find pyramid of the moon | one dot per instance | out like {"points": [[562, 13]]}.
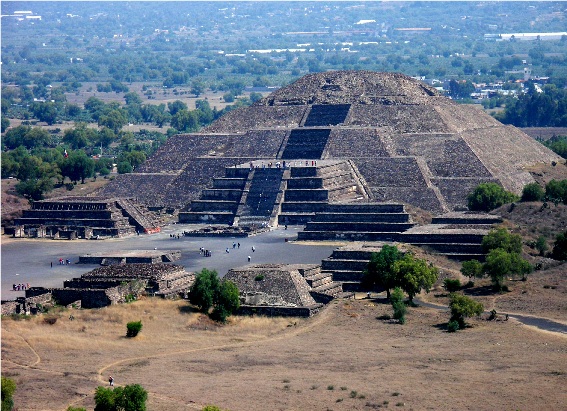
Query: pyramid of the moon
{"points": [[405, 142]]}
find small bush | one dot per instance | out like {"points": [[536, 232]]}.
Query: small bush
{"points": [[259, 277], [211, 408], [133, 328], [453, 326], [353, 394], [50, 320], [330, 387], [533, 192], [452, 285]]}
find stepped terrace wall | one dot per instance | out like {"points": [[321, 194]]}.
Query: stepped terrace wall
{"points": [[355, 143], [445, 154], [519, 151], [146, 188], [402, 119], [258, 116], [177, 150], [196, 177]]}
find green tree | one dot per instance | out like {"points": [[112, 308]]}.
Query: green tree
{"points": [[27, 136], [5, 123], [197, 88], [79, 136], [463, 307], [133, 328], [472, 269], [130, 398], [114, 119], [556, 191], [397, 301], [380, 269], [204, 288], [488, 196], [77, 166], [501, 238], [560, 247], [498, 265], [541, 245], [124, 167], [176, 106], [45, 111], [185, 120], [8, 389], [226, 301], [414, 275], [34, 189], [532, 192]]}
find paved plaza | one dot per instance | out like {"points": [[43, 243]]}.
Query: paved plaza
{"points": [[29, 261]]}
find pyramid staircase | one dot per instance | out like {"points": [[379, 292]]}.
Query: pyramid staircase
{"points": [[261, 198], [142, 221], [323, 288], [218, 204], [311, 188]]}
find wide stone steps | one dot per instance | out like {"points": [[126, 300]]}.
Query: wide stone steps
{"points": [[332, 264], [347, 275], [229, 183], [347, 236], [333, 289], [214, 205], [363, 217], [319, 279], [358, 226]]}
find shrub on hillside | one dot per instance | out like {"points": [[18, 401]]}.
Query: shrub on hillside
{"points": [[452, 284], [533, 192], [488, 196], [130, 398], [463, 307], [400, 309], [133, 328], [560, 247], [8, 389]]}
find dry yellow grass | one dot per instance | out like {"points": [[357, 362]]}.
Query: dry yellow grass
{"points": [[185, 361]]}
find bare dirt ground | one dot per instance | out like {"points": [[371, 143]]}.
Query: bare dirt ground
{"points": [[346, 358]]}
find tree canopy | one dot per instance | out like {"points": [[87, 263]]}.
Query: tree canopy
{"points": [[488, 196]]}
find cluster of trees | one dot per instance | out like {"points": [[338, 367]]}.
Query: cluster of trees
{"points": [[557, 144], [537, 109], [391, 268], [503, 259], [209, 292], [128, 398], [555, 191]]}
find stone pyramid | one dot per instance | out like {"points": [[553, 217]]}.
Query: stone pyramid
{"points": [[408, 143]]}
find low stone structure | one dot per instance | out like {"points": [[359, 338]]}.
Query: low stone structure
{"points": [[283, 289], [109, 285], [85, 217], [131, 257]]}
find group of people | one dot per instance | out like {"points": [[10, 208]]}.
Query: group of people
{"points": [[178, 236], [64, 262], [282, 165], [20, 287], [207, 253]]}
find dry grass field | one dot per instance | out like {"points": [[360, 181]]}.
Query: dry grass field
{"points": [[348, 357]]}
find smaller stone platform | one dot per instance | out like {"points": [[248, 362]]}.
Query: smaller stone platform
{"points": [[131, 257]]}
